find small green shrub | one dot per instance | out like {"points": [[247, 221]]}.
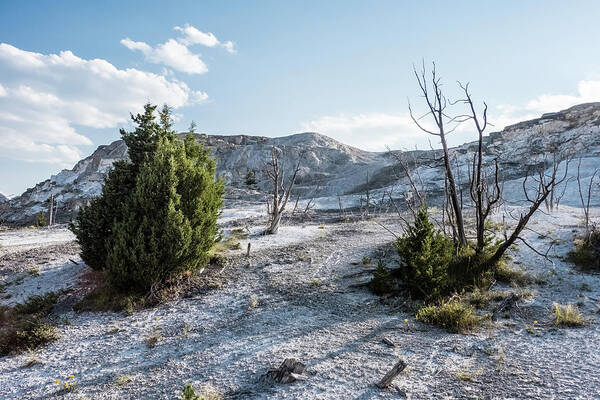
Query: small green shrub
{"points": [[587, 250], [427, 254], [188, 393], [382, 282], [366, 260], [250, 178], [452, 315], [25, 326], [567, 315], [207, 393], [41, 219]]}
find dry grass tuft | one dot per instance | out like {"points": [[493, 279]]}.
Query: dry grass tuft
{"points": [[567, 315], [453, 315]]}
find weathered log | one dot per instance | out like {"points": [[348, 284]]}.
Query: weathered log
{"points": [[393, 373], [388, 342], [289, 371]]}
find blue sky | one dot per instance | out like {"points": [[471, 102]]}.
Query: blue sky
{"points": [[71, 71]]}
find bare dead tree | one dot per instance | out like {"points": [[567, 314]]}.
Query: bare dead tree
{"points": [[585, 195], [437, 103], [484, 181], [311, 200], [485, 194], [340, 205], [416, 193], [275, 171], [536, 200], [367, 196]]}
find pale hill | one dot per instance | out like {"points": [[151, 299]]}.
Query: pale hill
{"points": [[330, 168]]}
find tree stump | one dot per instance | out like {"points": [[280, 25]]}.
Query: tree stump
{"points": [[389, 377], [289, 371]]}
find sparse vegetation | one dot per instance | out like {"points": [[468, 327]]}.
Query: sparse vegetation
{"points": [[32, 360], [567, 315], [123, 380], [453, 315], [366, 260], [481, 298], [153, 338], [465, 376], [26, 326], [206, 393], [253, 302], [68, 385], [107, 298], [586, 254], [231, 242], [505, 273]]}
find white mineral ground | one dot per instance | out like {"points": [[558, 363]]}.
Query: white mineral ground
{"points": [[308, 308]]}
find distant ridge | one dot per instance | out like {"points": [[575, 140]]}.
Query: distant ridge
{"points": [[329, 167]]}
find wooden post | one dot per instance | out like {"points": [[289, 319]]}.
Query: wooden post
{"points": [[248, 252], [368, 194], [51, 208], [389, 377]]}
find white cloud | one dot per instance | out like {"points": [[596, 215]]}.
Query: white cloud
{"points": [[192, 36], [45, 97], [229, 46], [141, 46], [587, 92], [369, 131], [171, 53], [175, 53], [377, 131]]}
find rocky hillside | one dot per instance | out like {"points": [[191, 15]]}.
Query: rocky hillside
{"points": [[330, 168]]}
